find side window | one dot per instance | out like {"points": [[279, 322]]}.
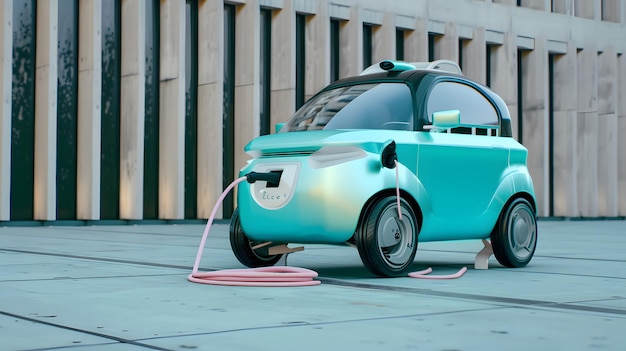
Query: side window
{"points": [[474, 107]]}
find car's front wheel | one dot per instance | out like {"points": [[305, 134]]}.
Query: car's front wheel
{"points": [[242, 247], [386, 244], [515, 238]]}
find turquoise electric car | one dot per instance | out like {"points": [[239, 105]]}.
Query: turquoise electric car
{"points": [[333, 172]]}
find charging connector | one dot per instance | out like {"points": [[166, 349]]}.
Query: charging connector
{"points": [[272, 178]]}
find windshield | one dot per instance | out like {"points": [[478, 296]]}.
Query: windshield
{"points": [[365, 106]]}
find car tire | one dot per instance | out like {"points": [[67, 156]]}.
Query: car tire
{"points": [[515, 238], [386, 245], [242, 246]]}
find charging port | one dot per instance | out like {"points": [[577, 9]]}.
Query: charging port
{"points": [[275, 182]]}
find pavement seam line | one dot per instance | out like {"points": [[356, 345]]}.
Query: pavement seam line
{"points": [[83, 331], [339, 282], [317, 324], [474, 297]]}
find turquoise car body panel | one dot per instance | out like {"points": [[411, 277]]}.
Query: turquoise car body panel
{"points": [[459, 183]]}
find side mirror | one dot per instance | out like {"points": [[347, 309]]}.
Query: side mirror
{"points": [[278, 127], [447, 119], [388, 156]]}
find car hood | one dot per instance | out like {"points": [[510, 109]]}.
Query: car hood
{"points": [[311, 141]]}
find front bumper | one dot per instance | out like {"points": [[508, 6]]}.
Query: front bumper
{"points": [[312, 203]]}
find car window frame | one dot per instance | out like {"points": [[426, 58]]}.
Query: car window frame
{"points": [[422, 104]]}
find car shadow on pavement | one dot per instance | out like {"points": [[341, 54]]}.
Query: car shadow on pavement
{"points": [[354, 272]]}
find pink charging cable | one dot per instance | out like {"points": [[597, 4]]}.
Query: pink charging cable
{"points": [[425, 273], [278, 275], [398, 189], [264, 276]]}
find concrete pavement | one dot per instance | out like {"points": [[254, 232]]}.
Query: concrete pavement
{"points": [[124, 288]]}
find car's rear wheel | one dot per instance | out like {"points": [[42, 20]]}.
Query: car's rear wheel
{"points": [[386, 244], [242, 247], [515, 238]]}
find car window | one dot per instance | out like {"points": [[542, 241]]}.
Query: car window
{"points": [[363, 106], [474, 107]]}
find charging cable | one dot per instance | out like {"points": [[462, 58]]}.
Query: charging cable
{"points": [[425, 273], [275, 275], [263, 276]]}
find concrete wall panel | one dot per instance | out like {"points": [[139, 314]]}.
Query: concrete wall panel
{"points": [[607, 165], [607, 82], [279, 98], [384, 39], [588, 73], [46, 75], [535, 120], [621, 132], [317, 66], [89, 113], [504, 74], [6, 71], [351, 43], [416, 42], [283, 70], [607, 133], [447, 45], [564, 106], [132, 108], [587, 65], [210, 104], [621, 154], [475, 56], [565, 164], [172, 111], [587, 150], [247, 88], [209, 146]]}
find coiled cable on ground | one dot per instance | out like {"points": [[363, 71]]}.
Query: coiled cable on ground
{"points": [[276, 275], [264, 276]]}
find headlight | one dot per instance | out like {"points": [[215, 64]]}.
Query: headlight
{"points": [[334, 155]]}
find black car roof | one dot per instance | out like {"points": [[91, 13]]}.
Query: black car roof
{"points": [[410, 76], [416, 77]]}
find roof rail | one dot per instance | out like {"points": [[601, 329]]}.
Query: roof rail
{"points": [[399, 66]]}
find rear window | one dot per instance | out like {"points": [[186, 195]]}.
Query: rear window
{"points": [[365, 106]]}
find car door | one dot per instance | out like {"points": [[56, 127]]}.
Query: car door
{"points": [[461, 168]]}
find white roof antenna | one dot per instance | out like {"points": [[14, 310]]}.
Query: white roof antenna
{"points": [[439, 65], [396, 66]]}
